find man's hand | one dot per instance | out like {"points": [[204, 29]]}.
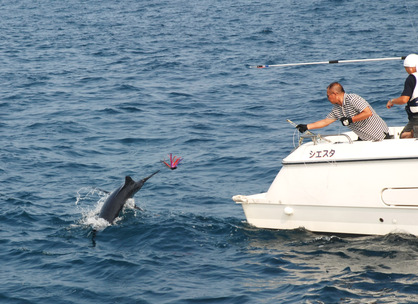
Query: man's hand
{"points": [[346, 121], [302, 128], [389, 104]]}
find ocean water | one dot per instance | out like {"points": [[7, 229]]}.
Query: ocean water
{"points": [[92, 91]]}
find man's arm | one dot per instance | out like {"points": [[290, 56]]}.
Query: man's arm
{"points": [[399, 101], [408, 90], [320, 123], [366, 113]]}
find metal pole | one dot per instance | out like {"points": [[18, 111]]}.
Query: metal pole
{"points": [[327, 62]]}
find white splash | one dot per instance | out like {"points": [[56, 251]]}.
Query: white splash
{"points": [[90, 216]]}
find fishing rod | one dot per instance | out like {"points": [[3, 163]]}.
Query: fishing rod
{"points": [[326, 62]]}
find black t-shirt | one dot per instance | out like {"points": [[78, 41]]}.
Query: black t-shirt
{"points": [[409, 86]]}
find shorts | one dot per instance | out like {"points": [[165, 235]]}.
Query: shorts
{"points": [[413, 122]]}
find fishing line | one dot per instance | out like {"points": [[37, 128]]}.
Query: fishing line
{"points": [[409, 10], [411, 20], [313, 136]]}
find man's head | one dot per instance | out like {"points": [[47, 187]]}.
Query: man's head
{"points": [[410, 63], [335, 93]]}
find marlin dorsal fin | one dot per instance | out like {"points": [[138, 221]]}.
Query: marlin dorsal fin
{"points": [[128, 180]]}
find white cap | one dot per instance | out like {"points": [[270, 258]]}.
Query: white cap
{"points": [[411, 61]]}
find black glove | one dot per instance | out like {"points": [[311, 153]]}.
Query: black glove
{"points": [[346, 121], [302, 128]]}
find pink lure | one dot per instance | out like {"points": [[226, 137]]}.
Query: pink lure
{"points": [[174, 161]]}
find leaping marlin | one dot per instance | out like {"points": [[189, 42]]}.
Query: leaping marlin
{"points": [[117, 199]]}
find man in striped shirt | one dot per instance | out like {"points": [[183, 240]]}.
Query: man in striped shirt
{"points": [[354, 112]]}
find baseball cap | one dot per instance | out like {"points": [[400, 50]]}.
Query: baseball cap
{"points": [[411, 61]]}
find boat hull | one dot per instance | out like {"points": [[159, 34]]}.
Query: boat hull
{"points": [[333, 219], [362, 188]]}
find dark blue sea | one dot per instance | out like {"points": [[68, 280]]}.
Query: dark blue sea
{"points": [[92, 91]]}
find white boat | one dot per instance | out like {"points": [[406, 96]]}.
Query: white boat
{"points": [[337, 184]]}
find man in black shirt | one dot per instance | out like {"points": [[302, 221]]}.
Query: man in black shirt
{"points": [[409, 96]]}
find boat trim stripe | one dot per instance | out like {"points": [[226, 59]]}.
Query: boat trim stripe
{"points": [[285, 163]]}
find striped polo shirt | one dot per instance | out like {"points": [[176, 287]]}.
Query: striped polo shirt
{"points": [[372, 128]]}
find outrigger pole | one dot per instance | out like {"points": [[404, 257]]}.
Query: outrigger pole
{"points": [[326, 62]]}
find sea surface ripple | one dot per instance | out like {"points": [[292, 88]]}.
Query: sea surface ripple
{"points": [[92, 91]]}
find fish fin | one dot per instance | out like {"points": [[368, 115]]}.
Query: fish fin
{"points": [[128, 180], [138, 208]]}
